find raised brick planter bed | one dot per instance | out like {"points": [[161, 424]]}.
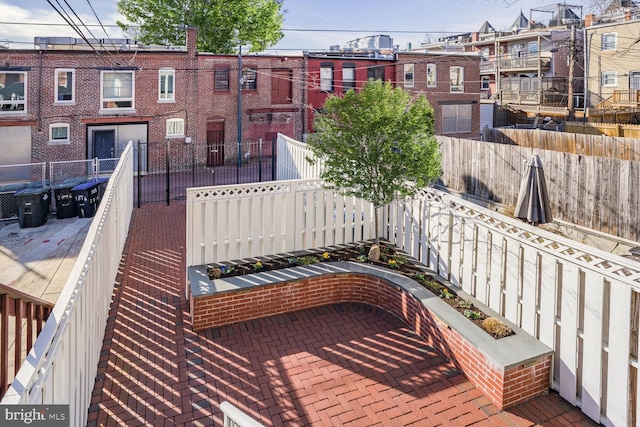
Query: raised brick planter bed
{"points": [[509, 371]]}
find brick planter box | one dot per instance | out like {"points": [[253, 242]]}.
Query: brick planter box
{"points": [[509, 371]]}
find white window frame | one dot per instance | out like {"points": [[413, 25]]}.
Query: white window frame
{"points": [[104, 100], [467, 122], [348, 76], [435, 75], [409, 75], [71, 101], [166, 93], [326, 79], [456, 87], [175, 128], [605, 45], [606, 75], [14, 102], [53, 140], [483, 80]]}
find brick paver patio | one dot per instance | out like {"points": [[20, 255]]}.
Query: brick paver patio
{"points": [[337, 365]]}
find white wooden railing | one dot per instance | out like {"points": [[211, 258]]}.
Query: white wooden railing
{"points": [[234, 417], [292, 160], [62, 366], [578, 300]]}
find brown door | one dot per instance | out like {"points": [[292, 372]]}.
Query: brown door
{"points": [[215, 142]]}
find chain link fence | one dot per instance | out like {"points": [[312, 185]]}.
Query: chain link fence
{"points": [[14, 178]]}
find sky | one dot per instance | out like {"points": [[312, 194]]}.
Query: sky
{"points": [[308, 24]]}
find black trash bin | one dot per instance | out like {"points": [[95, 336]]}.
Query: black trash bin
{"points": [[33, 206], [87, 196], [66, 206]]}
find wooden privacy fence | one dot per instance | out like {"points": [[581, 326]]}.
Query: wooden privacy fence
{"points": [[595, 192], [578, 300], [624, 130], [574, 143], [226, 223]]}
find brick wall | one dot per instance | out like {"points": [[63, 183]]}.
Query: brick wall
{"points": [[504, 387], [441, 94]]}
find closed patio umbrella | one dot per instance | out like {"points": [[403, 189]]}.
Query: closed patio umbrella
{"points": [[533, 200]]}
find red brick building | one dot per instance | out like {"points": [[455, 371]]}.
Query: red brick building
{"points": [[451, 83], [336, 72], [65, 101]]}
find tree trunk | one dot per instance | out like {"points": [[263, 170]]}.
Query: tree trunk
{"points": [[376, 230]]}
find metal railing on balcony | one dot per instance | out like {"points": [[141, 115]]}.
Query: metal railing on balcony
{"points": [[525, 63]]}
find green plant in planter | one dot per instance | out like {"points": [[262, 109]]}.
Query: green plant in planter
{"points": [[361, 258], [257, 266], [446, 294], [466, 304], [308, 260], [227, 269], [473, 315]]}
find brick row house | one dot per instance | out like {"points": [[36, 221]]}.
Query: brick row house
{"points": [[64, 100]]}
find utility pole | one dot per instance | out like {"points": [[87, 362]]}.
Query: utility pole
{"points": [[572, 61]]}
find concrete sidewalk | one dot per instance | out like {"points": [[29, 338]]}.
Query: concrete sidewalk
{"points": [[38, 260]]}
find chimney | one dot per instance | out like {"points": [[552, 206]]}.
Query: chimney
{"points": [[192, 38], [589, 19], [627, 15]]}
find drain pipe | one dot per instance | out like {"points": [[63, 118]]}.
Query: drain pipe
{"points": [[39, 117]]}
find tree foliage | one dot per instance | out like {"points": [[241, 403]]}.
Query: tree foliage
{"points": [[376, 144], [221, 24]]}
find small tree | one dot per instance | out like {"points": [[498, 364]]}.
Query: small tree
{"points": [[376, 144]]}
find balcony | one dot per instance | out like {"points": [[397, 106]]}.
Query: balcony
{"points": [[626, 98], [487, 67], [525, 64]]}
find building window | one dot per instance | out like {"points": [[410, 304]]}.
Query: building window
{"points": [[609, 41], [281, 86], [533, 48], [408, 75], [485, 83], [117, 90], [12, 92], [166, 85], [326, 77], [375, 73], [249, 79], [348, 77], [634, 80], [59, 133], [484, 54], [456, 118], [221, 80], [175, 128], [65, 86], [456, 76], [609, 78], [431, 75]]}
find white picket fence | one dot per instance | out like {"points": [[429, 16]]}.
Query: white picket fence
{"points": [[292, 160], [227, 223], [63, 363]]}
